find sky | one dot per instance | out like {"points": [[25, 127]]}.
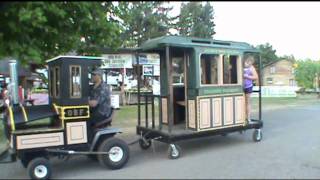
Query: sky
{"points": [[292, 28]]}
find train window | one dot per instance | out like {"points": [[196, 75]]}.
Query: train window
{"points": [[178, 70], [51, 76], [230, 70], [57, 81], [209, 68], [75, 81]]}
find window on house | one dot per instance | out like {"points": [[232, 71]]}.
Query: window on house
{"points": [[291, 82], [230, 72], [273, 70], [269, 80], [209, 68], [75, 81]]}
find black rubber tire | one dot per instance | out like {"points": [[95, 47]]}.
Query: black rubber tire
{"points": [[36, 162], [171, 155], [144, 145], [106, 145], [255, 135]]}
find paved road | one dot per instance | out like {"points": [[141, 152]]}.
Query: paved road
{"points": [[290, 149]]}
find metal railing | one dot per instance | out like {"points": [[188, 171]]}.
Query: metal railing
{"points": [[150, 99]]}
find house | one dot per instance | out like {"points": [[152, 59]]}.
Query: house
{"points": [[279, 73]]}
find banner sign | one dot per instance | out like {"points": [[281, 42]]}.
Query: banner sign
{"points": [[117, 61], [147, 70], [148, 59]]}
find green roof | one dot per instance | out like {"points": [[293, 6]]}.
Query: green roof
{"points": [[180, 41]]}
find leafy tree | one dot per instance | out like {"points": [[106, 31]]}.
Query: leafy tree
{"points": [[142, 21], [306, 73], [268, 54], [196, 20], [36, 31]]}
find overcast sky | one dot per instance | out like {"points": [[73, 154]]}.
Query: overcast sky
{"points": [[290, 27]]}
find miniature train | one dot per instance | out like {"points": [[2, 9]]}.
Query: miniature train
{"points": [[68, 130]]}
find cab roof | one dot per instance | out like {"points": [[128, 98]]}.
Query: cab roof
{"points": [[75, 57], [191, 42]]}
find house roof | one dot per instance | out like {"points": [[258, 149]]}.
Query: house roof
{"points": [[181, 41], [274, 62]]}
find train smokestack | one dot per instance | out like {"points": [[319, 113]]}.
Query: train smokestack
{"points": [[14, 81]]}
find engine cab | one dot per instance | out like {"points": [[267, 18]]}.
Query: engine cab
{"points": [[67, 111], [69, 84]]}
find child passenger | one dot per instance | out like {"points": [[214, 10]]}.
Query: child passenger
{"points": [[250, 74]]}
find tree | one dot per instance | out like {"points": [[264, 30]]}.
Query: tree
{"points": [[36, 31], [196, 20], [142, 21], [288, 57], [268, 54], [307, 72]]}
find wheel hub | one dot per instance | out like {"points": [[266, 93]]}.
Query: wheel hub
{"points": [[175, 152], [40, 171], [258, 134], [116, 154]]}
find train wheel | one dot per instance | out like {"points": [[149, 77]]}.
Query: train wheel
{"points": [[144, 144], [257, 135], [39, 168], [118, 153], [174, 151]]}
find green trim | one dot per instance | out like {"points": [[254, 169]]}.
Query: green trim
{"points": [[219, 90]]}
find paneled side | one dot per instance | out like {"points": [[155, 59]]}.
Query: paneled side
{"points": [[228, 111], [205, 113], [216, 112], [191, 113]]}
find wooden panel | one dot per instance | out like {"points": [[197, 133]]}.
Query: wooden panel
{"points": [[239, 109], [228, 111], [39, 140], [164, 110], [76, 132], [216, 112], [205, 113], [192, 115]]}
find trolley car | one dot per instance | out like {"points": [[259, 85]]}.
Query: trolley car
{"points": [[209, 101], [68, 131]]}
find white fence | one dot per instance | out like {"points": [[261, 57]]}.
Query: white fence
{"points": [[276, 91]]}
